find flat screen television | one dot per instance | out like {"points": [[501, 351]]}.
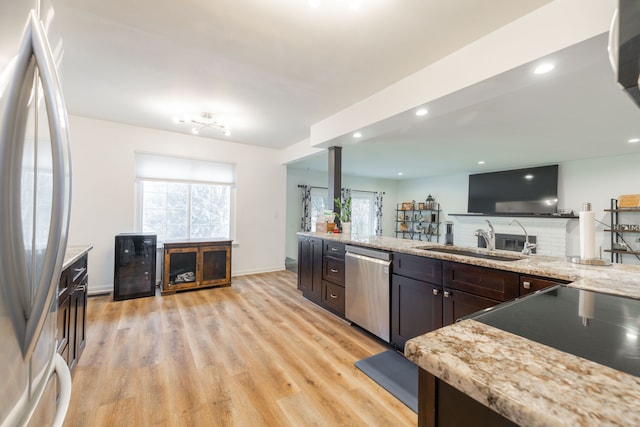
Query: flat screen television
{"points": [[528, 191]]}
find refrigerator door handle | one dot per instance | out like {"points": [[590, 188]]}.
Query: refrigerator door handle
{"points": [[64, 398], [28, 315]]}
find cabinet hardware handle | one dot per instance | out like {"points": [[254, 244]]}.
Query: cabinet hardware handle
{"points": [[334, 249], [333, 296], [333, 270], [446, 294], [435, 291], [526, 285]]}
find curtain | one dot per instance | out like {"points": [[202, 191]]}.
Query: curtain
{"points": [[378, 207], [305, 222]]}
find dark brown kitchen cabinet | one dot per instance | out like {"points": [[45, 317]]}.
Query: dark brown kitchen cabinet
{"points": [[416, 297], [72, 314], [310, 267], [333, 277], [457, 304], [416, 308]]}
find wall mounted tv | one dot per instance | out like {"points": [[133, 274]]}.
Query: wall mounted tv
{"points": [[529, 191]]}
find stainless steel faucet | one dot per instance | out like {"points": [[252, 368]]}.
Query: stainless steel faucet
{"points": [[526, 250], [488, 236]]}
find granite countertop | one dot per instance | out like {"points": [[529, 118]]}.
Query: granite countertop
{"points": [[73, 253], [617, 279], [529, 383]]}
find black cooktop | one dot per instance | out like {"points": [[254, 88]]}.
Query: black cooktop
{"points": [[599, 327]]}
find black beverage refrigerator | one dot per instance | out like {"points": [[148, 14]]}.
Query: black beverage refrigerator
{"points": [[135, 266]]}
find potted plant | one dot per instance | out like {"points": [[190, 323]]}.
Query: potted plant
{"points": [[345, 214]]}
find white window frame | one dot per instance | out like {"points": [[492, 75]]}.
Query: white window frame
{"points": [[138, 202], [366, 195]]}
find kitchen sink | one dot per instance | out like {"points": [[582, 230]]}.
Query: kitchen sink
{"points": [[472, 253]]}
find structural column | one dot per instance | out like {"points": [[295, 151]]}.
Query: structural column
{"points": [[335, 175]]}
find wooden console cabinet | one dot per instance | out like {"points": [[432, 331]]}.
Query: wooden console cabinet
{"points": [[195, 264]]}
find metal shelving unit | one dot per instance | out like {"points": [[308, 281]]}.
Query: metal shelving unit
{"points": [[418, 224], [617, 230]]}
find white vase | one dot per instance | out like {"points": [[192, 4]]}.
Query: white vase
{"points": [[346, 228]]}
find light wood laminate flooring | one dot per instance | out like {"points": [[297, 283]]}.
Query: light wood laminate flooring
{"points": [[253, 354]]}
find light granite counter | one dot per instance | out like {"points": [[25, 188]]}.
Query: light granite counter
{"points": [[73, 253], [617, 279], [529, 383]]}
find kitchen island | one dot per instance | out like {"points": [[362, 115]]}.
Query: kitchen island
{"points": [[524, 382]]}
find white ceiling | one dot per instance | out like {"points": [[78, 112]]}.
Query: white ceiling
{"points": [[271, 68], [516, 119]]}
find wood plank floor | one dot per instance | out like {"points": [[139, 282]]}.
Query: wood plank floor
{"points": [[253, 354]]}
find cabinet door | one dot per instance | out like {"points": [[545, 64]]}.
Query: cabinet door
{"points": [[180, 268], [80, 305], [310, 267], [215, 265], [416, 308], [457, 304], [63, 327]]}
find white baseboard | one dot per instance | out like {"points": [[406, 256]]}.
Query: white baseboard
{"points": [[257, 271], [107, 289]]}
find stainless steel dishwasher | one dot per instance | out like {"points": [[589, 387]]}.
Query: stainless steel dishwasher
{"points": [[367, 289]]}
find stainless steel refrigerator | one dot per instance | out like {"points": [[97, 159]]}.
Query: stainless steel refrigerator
{"points": [[35, 194]]}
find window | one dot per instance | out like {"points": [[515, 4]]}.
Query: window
{"points": [[363, 213], [319, 203], [179, 199]]}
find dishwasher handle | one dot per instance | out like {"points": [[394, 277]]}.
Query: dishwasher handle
{"points": [[352, 260], [369, 253]]}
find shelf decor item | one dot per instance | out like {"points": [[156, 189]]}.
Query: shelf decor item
{"points": [[407, 206], [345, 214], [629, 201], [429, 203]]}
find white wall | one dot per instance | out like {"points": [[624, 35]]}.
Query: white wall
{"points": [[103, 160], [297, 176], [590, 180]]}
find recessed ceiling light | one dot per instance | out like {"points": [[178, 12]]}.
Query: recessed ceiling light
{"points": [[421, 112], [357, 135], [544, 68], [633, 140], [400, 174], [481, 162]]}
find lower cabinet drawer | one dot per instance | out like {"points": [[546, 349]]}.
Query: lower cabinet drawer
{"points": [[530, 284], [333, 297], [333, 270]]}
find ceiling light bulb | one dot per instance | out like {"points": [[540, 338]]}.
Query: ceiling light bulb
{"points": [[422, 112], [633, 140], [400, 174], [195, 131], [481, 162], [357, 135], [528, 177], [544, 68]]}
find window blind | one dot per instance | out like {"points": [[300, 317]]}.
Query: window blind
{"points": [[156, 166]]}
